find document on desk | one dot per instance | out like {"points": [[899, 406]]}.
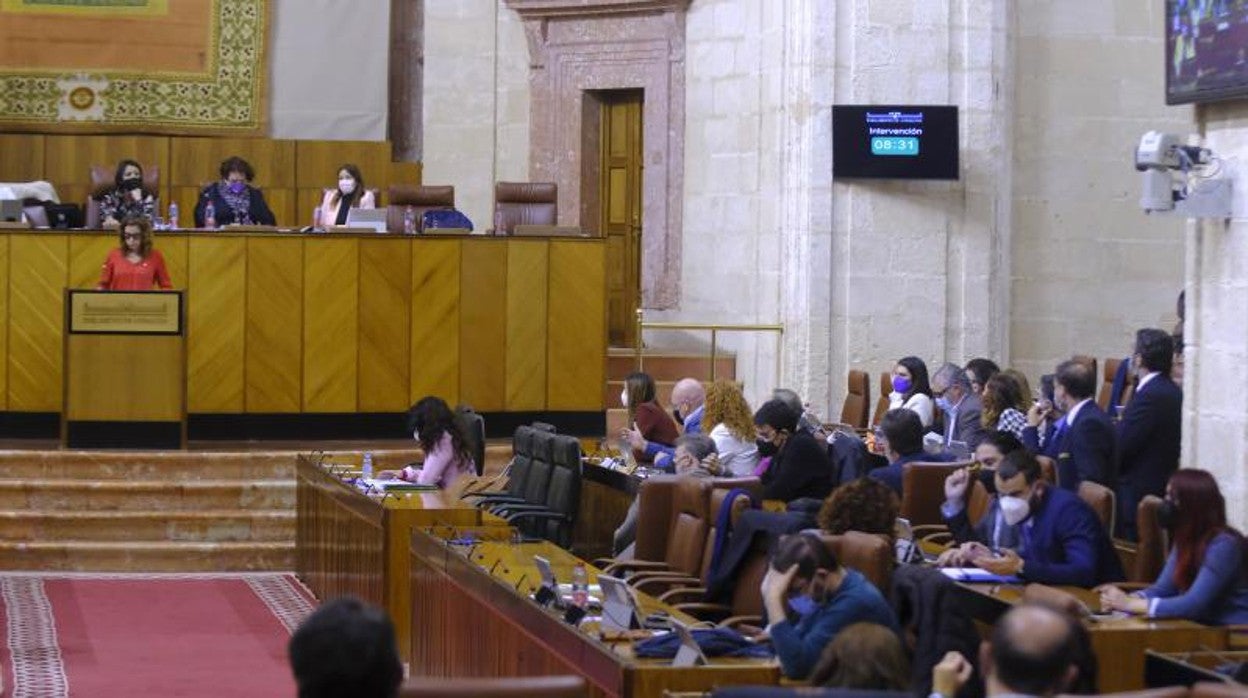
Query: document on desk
{"points": [[975, 574], [394, 485]]}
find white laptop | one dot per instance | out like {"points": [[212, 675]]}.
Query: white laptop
{"points": [[374, 218]]}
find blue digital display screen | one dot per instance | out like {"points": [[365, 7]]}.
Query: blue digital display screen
{"points": [[895, 142]]}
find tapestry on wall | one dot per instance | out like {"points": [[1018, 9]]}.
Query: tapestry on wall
{"points": [[153, 66]]}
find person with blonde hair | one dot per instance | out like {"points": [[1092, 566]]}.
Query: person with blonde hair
{"points": [[1004, 405], [733, 432]]}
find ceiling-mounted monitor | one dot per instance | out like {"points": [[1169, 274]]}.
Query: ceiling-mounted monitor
{"points": [[894, 142], [1206, 50]]}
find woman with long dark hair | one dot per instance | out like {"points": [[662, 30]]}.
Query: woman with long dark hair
{"points": [[1204, 578], [649, 423], [350, 193], [445, 441], [911, 389]]}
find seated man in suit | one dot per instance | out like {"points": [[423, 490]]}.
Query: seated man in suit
{"points": [[799, 463], [991, 533], [1082, 442], [902, 442], [1060, 538], [1150, 432], [952, 390]]}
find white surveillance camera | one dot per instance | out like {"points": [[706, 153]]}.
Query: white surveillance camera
{"points": [[1176, 178], [1157, 151]]}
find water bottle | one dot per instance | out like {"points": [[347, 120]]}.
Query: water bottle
{"points": [[210, 216], [173, 215], [409, 221], [367, 467], [498, 222], [316, 218], [580, 585]]}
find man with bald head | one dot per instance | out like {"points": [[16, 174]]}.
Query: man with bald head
{"points": [[1034, 651], [688, 402]]}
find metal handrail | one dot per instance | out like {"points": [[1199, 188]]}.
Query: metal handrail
{"points": [[713, 328]]}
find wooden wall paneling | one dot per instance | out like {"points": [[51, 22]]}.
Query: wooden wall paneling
{"points": [[527, 271], [216, 323], [318, 162], [282, 203], [21, 157], [385, 313], [331, 289], [306, 199], [407, 173], [577, 335], [483, 325], [175, 248], [274, 332], [435, 303], [38, 271], [86, 257], [68, 160]]}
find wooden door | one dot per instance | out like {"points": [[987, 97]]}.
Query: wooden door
{"points": [[621, 201]]}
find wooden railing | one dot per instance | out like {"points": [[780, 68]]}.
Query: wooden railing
{"points": [[713, 328]]}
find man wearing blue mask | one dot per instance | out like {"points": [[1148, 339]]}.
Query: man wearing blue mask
{"points": [[962, 409], [806, 577]]}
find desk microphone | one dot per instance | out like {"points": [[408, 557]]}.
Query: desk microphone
{"points": [[495, 565], [521, 581]]}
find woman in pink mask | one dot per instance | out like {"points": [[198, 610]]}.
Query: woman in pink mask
{"points": [[232, 199]]}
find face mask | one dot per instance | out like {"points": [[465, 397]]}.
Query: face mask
{"points": [[943, 404], [132, 183], [766, 448], [1168, 515], [803, 605], [624, 398], [346, 186], [237, 187], [902, 384], [1014, 510]]}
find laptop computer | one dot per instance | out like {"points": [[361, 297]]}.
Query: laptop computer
{"points": [[64, 215], [10, 210], [374, 218]]}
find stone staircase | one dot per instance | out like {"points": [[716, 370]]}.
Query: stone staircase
{"points": [[666, 367], [176, 511]]}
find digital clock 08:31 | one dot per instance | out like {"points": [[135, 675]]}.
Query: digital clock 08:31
{"points": [[894, 145]]}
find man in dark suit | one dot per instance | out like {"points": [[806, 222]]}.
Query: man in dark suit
{"points": [[952, 390], [901, 439], [1082, 442], [1150, 433], [1061, 540]]}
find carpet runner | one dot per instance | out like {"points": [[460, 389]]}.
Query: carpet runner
{"points": [[100, 634]]}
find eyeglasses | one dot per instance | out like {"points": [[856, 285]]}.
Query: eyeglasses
{"points": [[132, 236]]}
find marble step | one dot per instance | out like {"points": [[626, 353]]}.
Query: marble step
{"points": [[146, 495], [178, 466], [147, 556], [204, 526]]}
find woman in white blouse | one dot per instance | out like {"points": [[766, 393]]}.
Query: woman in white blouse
{"points": [[733, 430], [911, 389]]}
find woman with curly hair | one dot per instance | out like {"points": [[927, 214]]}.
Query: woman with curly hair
{"points": [[733, 432], [445, 441], [865, 505], [1004, 406]]}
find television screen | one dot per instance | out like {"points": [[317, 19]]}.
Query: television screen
{"points": [[1206, 50], [895, 142]]}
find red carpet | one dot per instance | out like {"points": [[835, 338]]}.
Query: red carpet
{"points": [[110, 635]]}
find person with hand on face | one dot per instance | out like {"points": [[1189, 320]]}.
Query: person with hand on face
{"points": [[799, 463], [652, 428], [992, 533], [962, 408], [1060, 538], [135, 265], [807, 583], [1204, 579], [1082, 441], [349, 194], [128, 199], [233, 199], [911, 389]]}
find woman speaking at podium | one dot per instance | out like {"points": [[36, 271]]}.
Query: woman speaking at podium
{"points": [[134, 266]]}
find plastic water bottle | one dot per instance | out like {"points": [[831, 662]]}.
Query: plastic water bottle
{"points": [[409, 221], [498, 222], [210, 215], [367, 467], [316, 218], [173, 215], [580, 585]]}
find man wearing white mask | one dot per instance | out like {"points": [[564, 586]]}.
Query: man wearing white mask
{"points": [[1060, 538]]}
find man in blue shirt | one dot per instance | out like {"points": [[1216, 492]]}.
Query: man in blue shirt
{"points": [[688, 403]]}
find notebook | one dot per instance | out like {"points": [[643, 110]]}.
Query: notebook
{"points": [[374, 218]]}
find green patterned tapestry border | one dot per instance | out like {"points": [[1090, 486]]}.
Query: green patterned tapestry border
{"points": [[224, 96]]}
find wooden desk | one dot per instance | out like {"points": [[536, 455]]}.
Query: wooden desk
{"points": [[1119, 643], [473, 617], [606, 495], [347, 542]]}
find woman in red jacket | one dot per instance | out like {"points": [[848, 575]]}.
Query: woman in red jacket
{"points": [[649, 423], [135, 266]]}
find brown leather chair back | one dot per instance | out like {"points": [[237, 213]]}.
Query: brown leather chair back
{"points": [[977, 502], [654, 513], [720, 487], [923, 491], [881, 403], [509, 687], [1107, 384], [1150, 551], [1048, 469], [103, 181], [1101, 499], [857, 400], [421, 198], [746, 601], [868, 553], [525, 203], [690, 520]]}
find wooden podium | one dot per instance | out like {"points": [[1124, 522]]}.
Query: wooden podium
{"points": [[125, 369]]}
